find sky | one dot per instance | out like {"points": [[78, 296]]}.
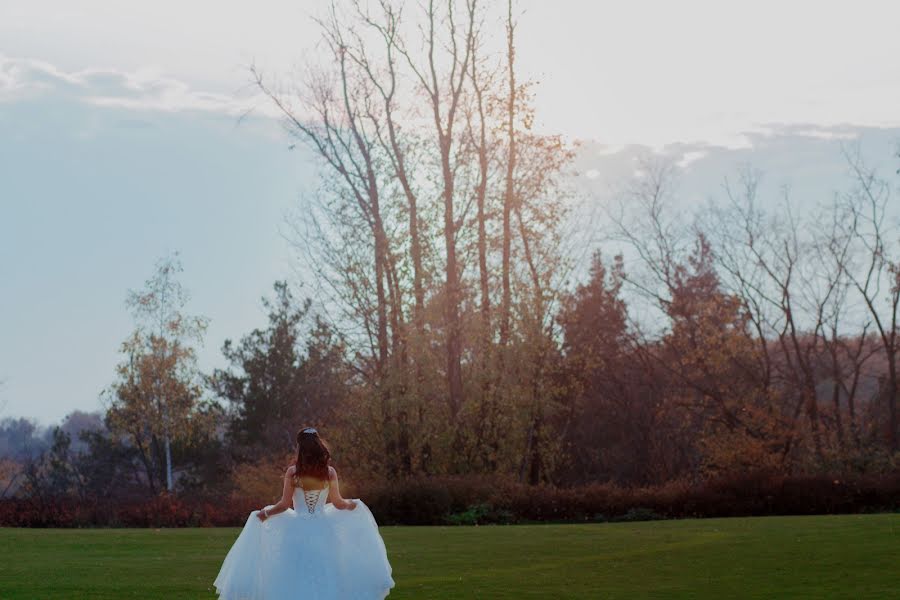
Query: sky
{"points": [[120, 142]]}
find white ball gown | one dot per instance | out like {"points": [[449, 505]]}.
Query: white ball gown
{"points": [[313, 551]]}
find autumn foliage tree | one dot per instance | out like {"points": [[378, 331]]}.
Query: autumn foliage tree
{"points": [[157, 400], [763, 321], [434, 236]]}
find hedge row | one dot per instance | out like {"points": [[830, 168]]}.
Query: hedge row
{"points": [[162, 511], [431, 501]]}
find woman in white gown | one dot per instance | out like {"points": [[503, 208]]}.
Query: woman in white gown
{"points": [[312, 544]]}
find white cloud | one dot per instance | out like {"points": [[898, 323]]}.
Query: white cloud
{"points": [[656, 73], [690, 157], [837, 132], [650, 72], [145, 89]]}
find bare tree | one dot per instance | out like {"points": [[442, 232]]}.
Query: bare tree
{"points": [[873, 269], [411, 122]]}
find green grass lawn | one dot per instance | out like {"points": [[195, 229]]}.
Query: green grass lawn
{"points": [[782, 557]]}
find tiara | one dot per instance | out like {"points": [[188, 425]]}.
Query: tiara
{"points": [[309, 430]]}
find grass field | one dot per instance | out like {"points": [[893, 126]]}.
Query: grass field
{"points": [[783, 557]]}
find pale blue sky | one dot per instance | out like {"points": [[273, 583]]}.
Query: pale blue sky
{"points": [[119, 143], [90, 198]]}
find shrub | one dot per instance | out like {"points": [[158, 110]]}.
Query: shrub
{"points": [[638, 514], [480, 514]]}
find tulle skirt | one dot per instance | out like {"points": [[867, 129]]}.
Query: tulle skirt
{"points": [[331, 555]]}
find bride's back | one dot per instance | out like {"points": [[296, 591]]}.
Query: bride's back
{"points": [[312, 472], [310, 493], [309, 482]]}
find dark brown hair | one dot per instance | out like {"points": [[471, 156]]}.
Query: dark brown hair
{"points": [[313, 456]]}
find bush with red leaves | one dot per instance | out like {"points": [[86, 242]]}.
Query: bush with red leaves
{"points": [[442, 500]]}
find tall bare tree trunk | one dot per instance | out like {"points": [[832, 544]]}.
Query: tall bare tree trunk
{"points": [[451, 309], [485, 428], [508, 195], [444, 123], [168, 446], [480, 197]]}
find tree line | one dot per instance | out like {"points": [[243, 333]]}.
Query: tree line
{"points": [[450, 330]]}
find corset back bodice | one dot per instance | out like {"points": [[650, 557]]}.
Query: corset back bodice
{"points": [[310, 502]]}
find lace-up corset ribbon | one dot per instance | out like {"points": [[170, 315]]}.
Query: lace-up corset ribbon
{"points": [[308, 503]]}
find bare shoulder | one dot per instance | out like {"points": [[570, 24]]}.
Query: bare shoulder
{"points": [[290, 471], [332, 472]]}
